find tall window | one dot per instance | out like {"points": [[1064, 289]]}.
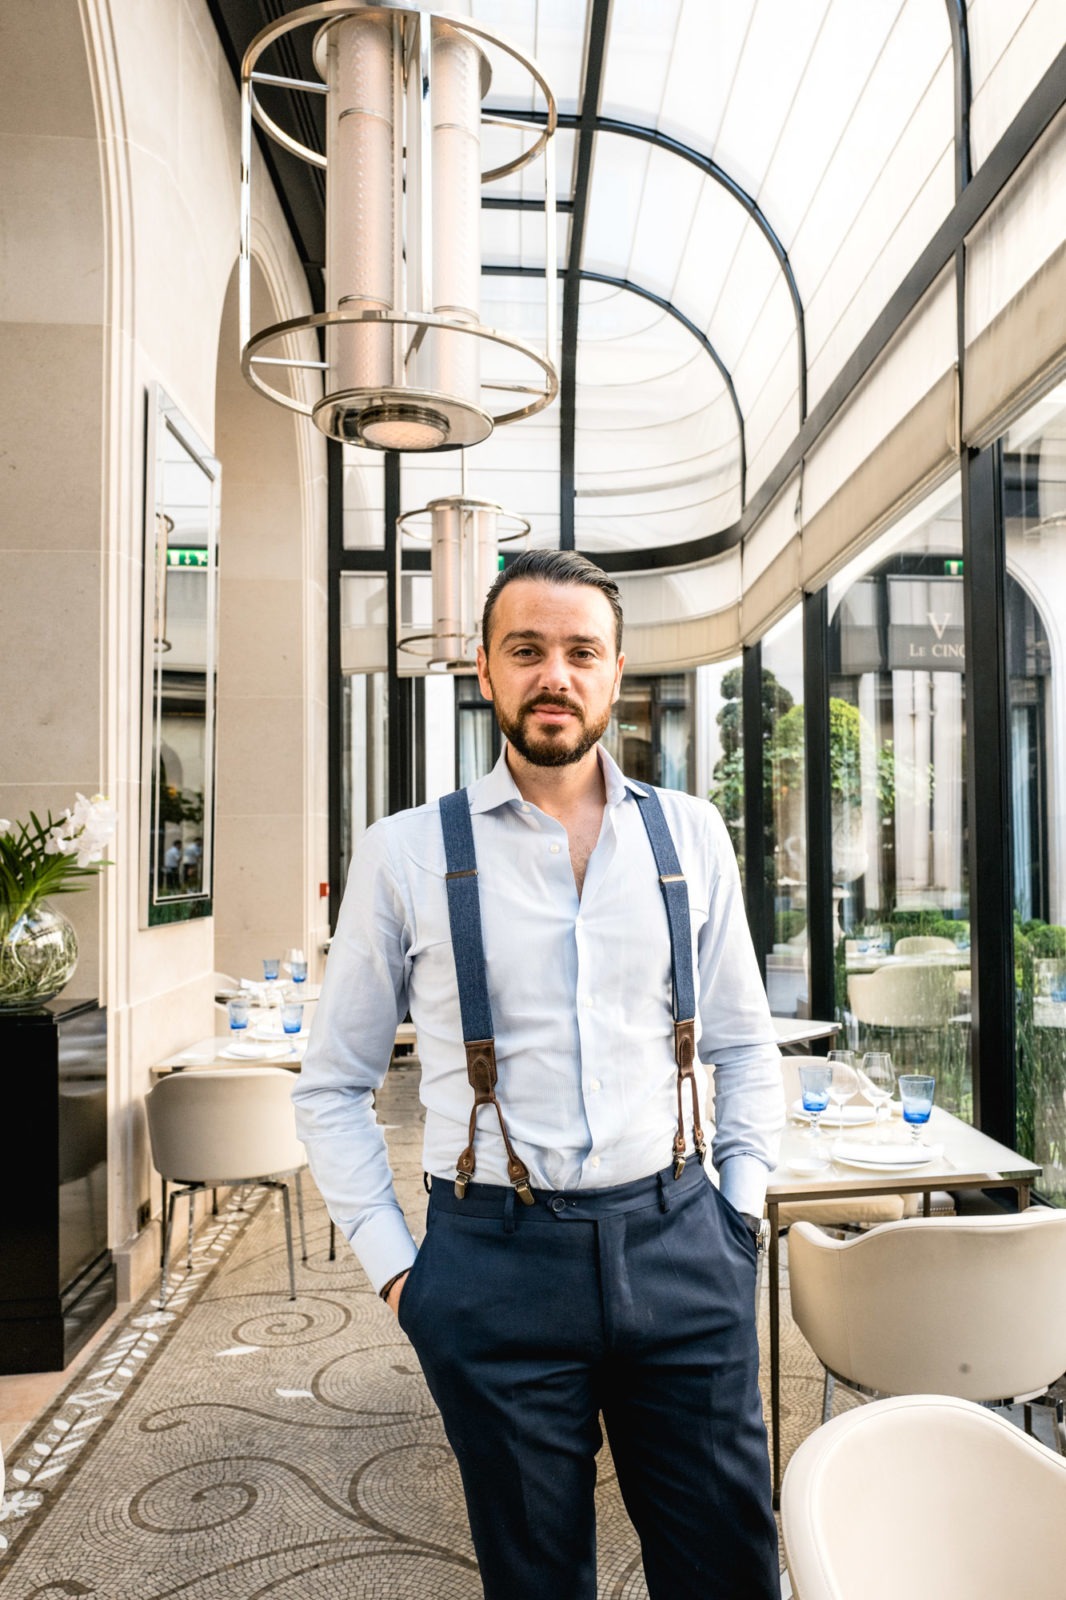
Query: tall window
{"points": [[720, 746], [477, 738], [785, 845], [365, 760], [651, 733], [1034, 511], [898, 796]]}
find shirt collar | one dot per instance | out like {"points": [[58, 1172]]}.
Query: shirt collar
{"points": [[498, 788]]}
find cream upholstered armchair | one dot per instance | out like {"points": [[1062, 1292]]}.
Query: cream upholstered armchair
{"points": [[223, 1127], [912, 995], [969, 1306], [923, 944], [926, 1496]]}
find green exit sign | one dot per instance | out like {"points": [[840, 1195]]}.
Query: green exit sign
{"points": [[953, 569], [189, 557]]}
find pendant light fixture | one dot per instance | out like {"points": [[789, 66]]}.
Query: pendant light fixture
{"points": [[464, 541], [403, 335]]}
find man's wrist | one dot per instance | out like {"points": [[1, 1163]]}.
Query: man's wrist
{"points": [[387, 1288]]}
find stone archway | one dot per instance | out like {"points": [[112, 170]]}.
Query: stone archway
{"points": [[271, 803]]}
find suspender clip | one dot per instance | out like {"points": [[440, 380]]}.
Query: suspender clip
{"points": [[461, 1181], [701, 1146], [524, 1192]]}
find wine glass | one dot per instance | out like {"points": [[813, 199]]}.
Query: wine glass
{"points": [[843, 1079], [916, 1094], [814, 1086], [879, 1081]]}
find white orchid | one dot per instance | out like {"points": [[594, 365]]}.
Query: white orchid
{"points": [[5, 826]]}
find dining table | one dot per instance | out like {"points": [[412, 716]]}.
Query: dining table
{"points": [[960, 1157]]}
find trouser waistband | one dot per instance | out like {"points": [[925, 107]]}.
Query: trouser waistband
{"points": [[497, 1200]]}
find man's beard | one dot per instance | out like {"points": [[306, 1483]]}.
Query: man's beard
{"points": [[550, 750]]}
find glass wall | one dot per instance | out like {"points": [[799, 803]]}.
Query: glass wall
{"points": [[365, 757], [897, 731], [720, 745], [785, 810], [1034, 512], [652, 729]]}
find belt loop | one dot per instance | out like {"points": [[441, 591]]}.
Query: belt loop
{"points": [[664, 1198], [508, 1211]]}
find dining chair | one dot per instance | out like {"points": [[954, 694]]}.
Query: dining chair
{"points": [[924, 944], [967, 1306], [221, 1128], [926, 1496]]}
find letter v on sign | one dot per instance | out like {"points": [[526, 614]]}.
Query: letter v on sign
{"points": [[938, 624]]}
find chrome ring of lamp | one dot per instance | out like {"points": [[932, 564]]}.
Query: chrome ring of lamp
{"points": [[403, 331], [464, 539]]}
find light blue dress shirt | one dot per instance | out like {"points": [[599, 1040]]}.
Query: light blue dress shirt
{"points": [[581, 1002]]}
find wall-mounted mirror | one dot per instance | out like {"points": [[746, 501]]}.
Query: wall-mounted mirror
{"points": [[182, 487]]}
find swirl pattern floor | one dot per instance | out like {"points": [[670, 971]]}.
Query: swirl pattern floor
{"points": [[239, 1445]]}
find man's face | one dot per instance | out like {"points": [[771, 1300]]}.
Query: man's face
{"points": [[551, 671]]}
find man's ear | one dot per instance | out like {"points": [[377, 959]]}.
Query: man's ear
{"points": [[483, 673], [618, 678]]}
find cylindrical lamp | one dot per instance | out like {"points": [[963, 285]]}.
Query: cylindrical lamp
{"points": [[464, 542], [403, 92]]}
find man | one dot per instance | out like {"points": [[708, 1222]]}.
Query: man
{"points": [[576, 1260]]}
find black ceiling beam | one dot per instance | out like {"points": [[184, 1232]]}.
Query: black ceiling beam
{"points": [[587, 275], [585, 123], [503, 202], [710, 169], [960, 55]]}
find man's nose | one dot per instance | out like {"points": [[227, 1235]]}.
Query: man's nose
{"points": [[555, 670]]}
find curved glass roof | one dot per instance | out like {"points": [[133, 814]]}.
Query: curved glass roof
{"points": [[743, 187]]}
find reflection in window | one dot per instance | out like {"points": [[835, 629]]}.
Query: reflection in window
{"points": [[1034, 509], [477, 738], [785, 844], [720, 746], [652, 729], [365, 756], [898, 799]]}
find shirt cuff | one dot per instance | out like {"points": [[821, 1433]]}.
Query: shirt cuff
{"points": [[743, 1180], [384, 1246]]}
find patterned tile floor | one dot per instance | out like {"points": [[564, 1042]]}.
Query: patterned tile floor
{"points": [[240, 1445]]}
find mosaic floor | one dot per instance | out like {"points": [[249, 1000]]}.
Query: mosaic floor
{"points": [[241, 1445]]}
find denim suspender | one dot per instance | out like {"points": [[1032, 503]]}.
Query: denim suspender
{"points": [[675, 895], [464, 917]]}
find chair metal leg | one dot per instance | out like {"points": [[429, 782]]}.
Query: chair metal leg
{"points": [[332, 1240], [288, 1238], [168, 1229], [300, 1214], [192, 1213], [827, 1395], [163, 1219], [1060, 1427], [1027, 1414]]}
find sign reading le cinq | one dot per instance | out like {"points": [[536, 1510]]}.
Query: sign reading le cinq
{"points": [[936, 645]]}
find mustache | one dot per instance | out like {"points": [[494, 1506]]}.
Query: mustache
{"points": [[559, 700]]}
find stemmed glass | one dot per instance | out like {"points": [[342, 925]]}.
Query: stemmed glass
{"points": [[879, 1081], [843, 1080], [814, 1086], [916, 1095]]}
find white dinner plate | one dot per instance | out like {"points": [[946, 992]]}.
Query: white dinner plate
{"points": [[840, 1116], [275, 1035], [248, 1051], [884, 1157]]}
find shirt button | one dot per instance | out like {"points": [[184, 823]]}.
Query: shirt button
{"points": [[594, 1161], [555, 849], [527, 807], [595, 1084]]}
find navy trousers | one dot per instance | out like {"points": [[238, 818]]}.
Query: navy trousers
{"points": [[636, 1303]]}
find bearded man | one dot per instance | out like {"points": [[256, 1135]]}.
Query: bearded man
{"points": [[573, 951]]}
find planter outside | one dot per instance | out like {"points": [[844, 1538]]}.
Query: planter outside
{"points": [[38, 955]]}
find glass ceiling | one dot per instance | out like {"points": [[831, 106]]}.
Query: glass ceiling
{"points": [[762, 176]]}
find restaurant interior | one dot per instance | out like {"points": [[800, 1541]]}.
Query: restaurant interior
{"points": [[322, 313]]}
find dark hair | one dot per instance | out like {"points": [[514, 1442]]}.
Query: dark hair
{"points": [[555, 566]]}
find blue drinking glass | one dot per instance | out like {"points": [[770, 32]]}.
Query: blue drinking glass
{"points": [[815, 1081], [237, 1010], [299, 972], [916, 1096], [292, 1016], [271, 967]]}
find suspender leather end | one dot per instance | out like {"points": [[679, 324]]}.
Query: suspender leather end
{"points": [[481, 1067], [685, 1045]]}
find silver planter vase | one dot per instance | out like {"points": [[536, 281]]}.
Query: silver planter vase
{"points": [[38, 955]]}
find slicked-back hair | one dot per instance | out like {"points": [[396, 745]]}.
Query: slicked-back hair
{"points": [[555, 566]]}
